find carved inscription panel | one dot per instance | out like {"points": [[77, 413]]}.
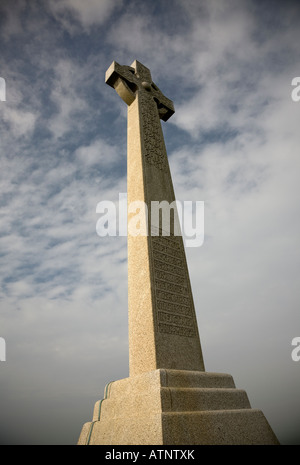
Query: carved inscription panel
{"points": [[173, 299], [155, 153]]}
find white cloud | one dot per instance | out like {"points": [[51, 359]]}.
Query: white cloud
{"points": [[12, 24], [98, 152], [66, 95], [88, 13], [20, 289], [20, 122]]}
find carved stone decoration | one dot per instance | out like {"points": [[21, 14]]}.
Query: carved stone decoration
{"points": [[174, 305], [154, 148]]}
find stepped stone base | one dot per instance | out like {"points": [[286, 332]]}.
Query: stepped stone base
{"points": [[176, 407]]}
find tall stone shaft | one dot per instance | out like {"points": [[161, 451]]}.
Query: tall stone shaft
{"points": [[163, 331]]}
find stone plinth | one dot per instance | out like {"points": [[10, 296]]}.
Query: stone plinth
{"points": [[176, 407]]}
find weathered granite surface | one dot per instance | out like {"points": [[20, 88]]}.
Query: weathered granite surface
{"points": [[176, 407]]}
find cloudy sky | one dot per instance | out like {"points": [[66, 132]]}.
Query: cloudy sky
{"points": [[233, 143]]}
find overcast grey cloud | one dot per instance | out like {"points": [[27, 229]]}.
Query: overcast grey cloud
{"points": [[233, 143]]}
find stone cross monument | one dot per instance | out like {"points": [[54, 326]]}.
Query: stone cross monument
{"points": [[163, 330], [168, 398]]}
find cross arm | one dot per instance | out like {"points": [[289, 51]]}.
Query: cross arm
{"points": [[165, 106], [128, 80], [123, 80]]}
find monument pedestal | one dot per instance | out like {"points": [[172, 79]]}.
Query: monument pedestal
{"points": [[176, 407]]}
